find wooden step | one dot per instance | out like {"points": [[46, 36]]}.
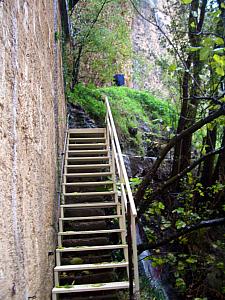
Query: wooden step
{"points": [[90, 194], [85, 225], [111, 295], [80, 233], [90, 218], [92, 287], [87, 130], [84, 211], [88, 199], [108, 295], [77, 241], [81, 159], [94, 166], [91, 183], [87, 151], [108, 231], [112, 265], [94, 145], [96, 174], [95, 204], [79, 140], [88, 277], [91, 248], [93, 257]]}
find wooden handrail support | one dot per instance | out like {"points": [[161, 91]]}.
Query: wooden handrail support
{"points": [[126, 194], [62, 164]]}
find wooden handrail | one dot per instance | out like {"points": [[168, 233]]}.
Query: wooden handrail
{"points": [[127, 200], [120, 158], [63, 161]]}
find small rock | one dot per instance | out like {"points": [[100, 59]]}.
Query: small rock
{"points": [[133, 131]]}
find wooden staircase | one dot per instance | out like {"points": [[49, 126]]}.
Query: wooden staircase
{"points": [[95, 259]]}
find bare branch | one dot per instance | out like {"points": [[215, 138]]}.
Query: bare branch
{"points": [[196, 126], [188, 229], [213, 99], [188, 169]]}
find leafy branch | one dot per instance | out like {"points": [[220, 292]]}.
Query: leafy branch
{"points": [[186, 230], [148, 177]]}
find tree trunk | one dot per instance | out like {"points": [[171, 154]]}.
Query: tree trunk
{"points": [[182, 120], [219, 173], [76, 68], [139, 197], [182, 153], [208, 166]]}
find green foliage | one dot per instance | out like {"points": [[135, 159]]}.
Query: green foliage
{"points": [[156, 208], [180, 284], [90, 99], [134, 183], [180, 224], [199, 68], [67, 64], [186, 1], [76, 261], [188, 210], [129, 108], [66, 286], [57, 36], [141, 104], [148, 292], [103, 37], [211, 50]]}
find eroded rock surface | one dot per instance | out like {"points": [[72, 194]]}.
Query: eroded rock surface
{"points": [[32, 117]]}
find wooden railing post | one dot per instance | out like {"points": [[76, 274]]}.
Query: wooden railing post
{"points": [[127, 203], [135, 258], [130, 253]]}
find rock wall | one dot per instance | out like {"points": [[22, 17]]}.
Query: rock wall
{"points": [[146, 73], [32, 118]]}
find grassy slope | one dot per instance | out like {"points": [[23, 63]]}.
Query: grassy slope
{"points": [[129, 107]]}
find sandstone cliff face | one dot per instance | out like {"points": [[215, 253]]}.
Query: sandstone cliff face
{"points": [[32, 115], [146, 74], [140, 65]]}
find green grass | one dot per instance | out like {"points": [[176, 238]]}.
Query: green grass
{"points": [[129, 107], [90, 99]]}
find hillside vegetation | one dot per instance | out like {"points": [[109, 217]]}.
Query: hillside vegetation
{"points": [[132, 109]]}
